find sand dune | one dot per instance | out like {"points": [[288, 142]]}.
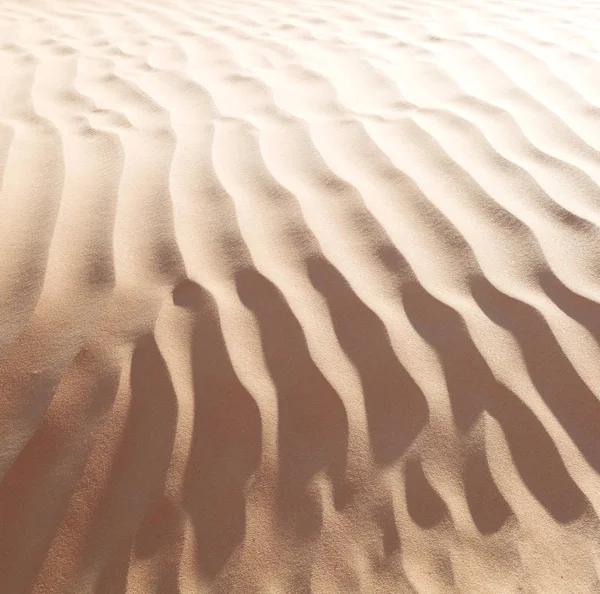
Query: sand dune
{"points": [[299, 296]]}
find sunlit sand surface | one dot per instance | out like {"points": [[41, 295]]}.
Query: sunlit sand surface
{"points": [[299, 296]]}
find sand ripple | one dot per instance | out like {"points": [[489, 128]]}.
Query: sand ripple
{"points": [[299, 296]]}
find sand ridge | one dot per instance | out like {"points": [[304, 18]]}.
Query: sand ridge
{"points": [[299, 296]]}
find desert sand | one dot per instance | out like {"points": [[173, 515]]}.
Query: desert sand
{"points": [[299, 296]]}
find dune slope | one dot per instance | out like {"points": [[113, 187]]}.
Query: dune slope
{"points": [[299, 296]]}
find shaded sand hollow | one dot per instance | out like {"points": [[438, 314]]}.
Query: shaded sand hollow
{"points": [[299, 296]]}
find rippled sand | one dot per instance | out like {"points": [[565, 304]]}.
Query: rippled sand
{"points": [[299, 296]]}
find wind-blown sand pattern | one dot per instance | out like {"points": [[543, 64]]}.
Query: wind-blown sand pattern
{"points": [[299, 296]]}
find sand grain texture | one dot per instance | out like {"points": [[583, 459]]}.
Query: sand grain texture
{"points": [[299, 296]]}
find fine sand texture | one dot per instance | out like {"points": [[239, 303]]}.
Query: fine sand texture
{"points": [[299, 296]]}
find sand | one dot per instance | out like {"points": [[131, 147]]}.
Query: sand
{"points": [[299, 296]]}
